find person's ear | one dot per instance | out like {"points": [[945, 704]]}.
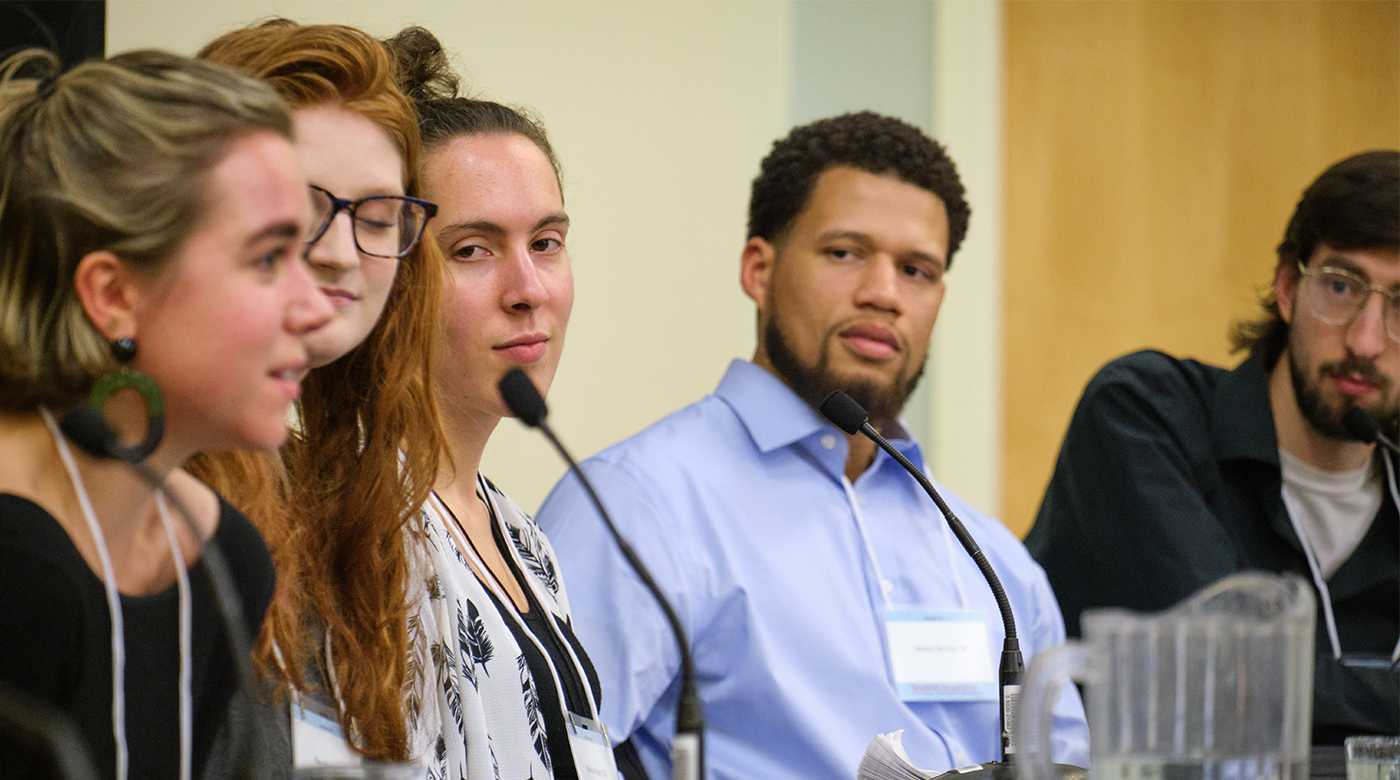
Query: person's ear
{"points": [[106, 286], [756, 270], [1286, 279]]}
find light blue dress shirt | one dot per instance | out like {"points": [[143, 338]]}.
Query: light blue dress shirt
{"points": [[737, 505]]}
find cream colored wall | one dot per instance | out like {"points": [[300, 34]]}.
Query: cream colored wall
{"points": [[660, 112]]}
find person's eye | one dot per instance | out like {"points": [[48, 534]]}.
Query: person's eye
{"points": [[374, 225], [840, 253], [469, 252], [272, 259], [543, 245], [1340, 286]]}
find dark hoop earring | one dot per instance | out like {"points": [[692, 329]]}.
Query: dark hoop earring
{"points": [[124, 351]]}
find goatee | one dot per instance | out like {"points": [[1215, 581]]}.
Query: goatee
{"points": [[883, 402], [1326, 420]]}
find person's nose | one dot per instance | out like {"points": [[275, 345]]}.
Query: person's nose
{"points": [[334, 252], [879, 285], [307, 307], [524, 291], [1366, 336]]}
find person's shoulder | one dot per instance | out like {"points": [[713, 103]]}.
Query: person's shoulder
{"points": [[675, 440], [1154, 378], [1152, 369]]}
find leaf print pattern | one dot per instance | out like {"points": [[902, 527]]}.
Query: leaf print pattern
{"points": [[475, 642], [527, 543], [413, 672], [532, 711], [482, 647], [468, 658], [440, 753], [447, 674]]}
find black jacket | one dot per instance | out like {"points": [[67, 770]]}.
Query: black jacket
{"points": [[1169, 480]]}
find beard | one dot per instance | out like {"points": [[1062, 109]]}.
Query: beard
{"points": [[882, 401], [1327, 420]]}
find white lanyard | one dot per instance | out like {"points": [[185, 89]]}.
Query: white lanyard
{"points": [[114, 607], [885, 585], [1325, 595]]}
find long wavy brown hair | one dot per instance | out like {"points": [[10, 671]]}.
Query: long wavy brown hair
{"points": [[334, 507]]}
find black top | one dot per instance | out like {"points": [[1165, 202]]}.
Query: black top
{"points": [[551, 634], [55, 643], [1169, 480]]}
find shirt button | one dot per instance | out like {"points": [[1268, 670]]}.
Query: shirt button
{"points": [[829, 441]]}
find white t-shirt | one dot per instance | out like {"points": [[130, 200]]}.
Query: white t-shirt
{"points": [[1334, 508]]}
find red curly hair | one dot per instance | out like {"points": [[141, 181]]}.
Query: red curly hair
{"points": [[334, 506]]}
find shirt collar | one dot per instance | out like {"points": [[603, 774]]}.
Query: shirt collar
{"points": [[1243, 424], [776, 417], [772, 412]]}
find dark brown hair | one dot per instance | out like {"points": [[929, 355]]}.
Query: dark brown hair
{"points": [[1355, 204], [425, 75]]}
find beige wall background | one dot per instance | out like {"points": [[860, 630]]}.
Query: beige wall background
{"points": [[1154, 152], [660, 112], [1130, 163]]}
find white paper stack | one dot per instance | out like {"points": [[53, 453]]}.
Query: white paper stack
{"points": [[885, 759]]}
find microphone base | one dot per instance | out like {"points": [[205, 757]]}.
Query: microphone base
{"points": [[997, 770]]}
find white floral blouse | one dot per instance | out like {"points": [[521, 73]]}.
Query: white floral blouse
{"points": [[473, 703]]}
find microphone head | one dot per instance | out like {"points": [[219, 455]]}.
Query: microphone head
{"points": [[1362, 426], [521, 397], [844, 412], [86, 428]]}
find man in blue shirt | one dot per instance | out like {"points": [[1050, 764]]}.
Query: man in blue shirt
{"points": [[807, 568]]}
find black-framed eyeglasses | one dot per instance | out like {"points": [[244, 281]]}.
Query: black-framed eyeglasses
{"points": [[1335, 296], [382, 225]]}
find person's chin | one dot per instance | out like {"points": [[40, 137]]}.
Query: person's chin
{"points": [[327, 345]]}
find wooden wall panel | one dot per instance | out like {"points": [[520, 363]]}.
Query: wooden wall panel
{"points": [[1154, 151]]}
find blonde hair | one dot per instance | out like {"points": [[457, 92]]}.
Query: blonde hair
{"points": [[367, 454], [113, 155]]}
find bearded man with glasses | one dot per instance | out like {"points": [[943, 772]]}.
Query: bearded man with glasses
{"points": [[1175, 474]]}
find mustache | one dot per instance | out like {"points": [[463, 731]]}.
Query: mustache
{"points": [[1355, 366]]}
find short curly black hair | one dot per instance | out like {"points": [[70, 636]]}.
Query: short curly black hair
{"points": [[867, 141]]}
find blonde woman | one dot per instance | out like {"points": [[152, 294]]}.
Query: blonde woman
{"points": [[152, 214]]}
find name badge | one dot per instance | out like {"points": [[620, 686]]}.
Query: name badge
{"points": [[940, 655], [317, 739], [593, 756]]}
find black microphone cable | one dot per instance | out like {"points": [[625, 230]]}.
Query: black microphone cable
{"points": [[48, 728], [86, 428], [850, 417], [688, 748]]}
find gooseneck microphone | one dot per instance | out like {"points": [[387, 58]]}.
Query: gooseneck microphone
{"points": [[86, 428], [1363, 427], [688, 748], [850, 417], [46, 727]]}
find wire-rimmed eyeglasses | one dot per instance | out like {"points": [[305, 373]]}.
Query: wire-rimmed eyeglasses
{"points": [[1335, 296], [382, 225]]}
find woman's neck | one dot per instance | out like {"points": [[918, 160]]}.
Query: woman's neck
{"points": [[123, 503], [467, 435]]}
